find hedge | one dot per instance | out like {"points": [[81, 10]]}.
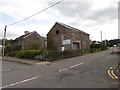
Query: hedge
{"points": [[29, 54]]}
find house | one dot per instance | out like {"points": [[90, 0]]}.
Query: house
{"points": [[63, 37], [30, 40]]}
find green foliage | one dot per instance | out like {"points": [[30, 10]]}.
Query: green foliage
{"points": [[104, 47], [110, 43], [92, 46], [29, 54], [13, 53], [50, 45], [9, 49]]}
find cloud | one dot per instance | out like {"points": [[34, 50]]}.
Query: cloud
{"points": [[90, 16], [84, 11]]}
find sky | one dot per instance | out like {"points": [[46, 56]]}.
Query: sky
{"points": [[90, 16]]}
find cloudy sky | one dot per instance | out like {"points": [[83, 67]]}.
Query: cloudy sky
{"points": [[91, 16]]}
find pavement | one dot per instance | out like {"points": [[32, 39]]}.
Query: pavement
{"points": [[90, 71], [25, 61]]}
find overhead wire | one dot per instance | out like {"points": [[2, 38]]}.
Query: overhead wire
{"points": [[35, 13]]}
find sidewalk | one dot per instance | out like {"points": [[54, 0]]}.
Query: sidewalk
{"points": [[25, 61]]}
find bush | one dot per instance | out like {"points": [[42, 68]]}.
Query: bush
{"points": [[9, 49], [29, 54], [92, 46], [13, 53]]}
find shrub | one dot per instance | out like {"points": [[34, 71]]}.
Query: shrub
{"points": [[29, 54], [92, 46], [13, 53], [9, 49]]}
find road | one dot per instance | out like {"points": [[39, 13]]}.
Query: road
{"points": [[90, 71]]}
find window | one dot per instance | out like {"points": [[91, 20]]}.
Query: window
{"points": [[57, 31]]}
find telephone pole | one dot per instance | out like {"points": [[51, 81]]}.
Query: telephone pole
{"points": [[4, 41], [101, 39], [105, 40]]}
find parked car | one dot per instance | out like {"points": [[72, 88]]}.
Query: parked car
{"points": [[116, 49]]}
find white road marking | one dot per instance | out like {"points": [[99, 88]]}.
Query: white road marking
{"points": [[114, 65], [19, 82], [76, 65], [6, 70], [63, 70], [70, 67]]}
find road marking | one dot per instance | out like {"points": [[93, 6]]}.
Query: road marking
{"points": [[6, 70], [19, 82], [118, 72], [114, 65], [70, 67], [63, 70], [114, 74], [76, 65], [111, 71], [110, 74]]}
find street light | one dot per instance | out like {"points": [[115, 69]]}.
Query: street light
{"points": [[4, 41]]}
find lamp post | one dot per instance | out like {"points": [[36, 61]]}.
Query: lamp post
{"points": [[4, 41], [101, 39]]}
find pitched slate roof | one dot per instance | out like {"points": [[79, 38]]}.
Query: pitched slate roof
{"points": [[69, 27], [24, 36], [27, 35]]}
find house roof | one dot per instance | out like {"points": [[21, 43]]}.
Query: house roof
{"points": [[24, 36], [69, 27], [27, 35]]}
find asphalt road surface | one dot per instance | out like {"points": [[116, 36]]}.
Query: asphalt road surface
{"points": [[90, 71]]}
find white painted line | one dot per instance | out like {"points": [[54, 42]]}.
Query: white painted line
{"points": [[76, 65], [113, 66], [70, 67], [6, 70], [19, 82], [63, 70]]}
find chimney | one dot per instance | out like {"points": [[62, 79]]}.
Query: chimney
{"points": [[26, 32]]}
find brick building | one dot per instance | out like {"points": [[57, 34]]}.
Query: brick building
{"points": [[63, 37], [30, 40]]}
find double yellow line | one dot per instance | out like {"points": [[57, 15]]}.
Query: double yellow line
{"points": [[112, 74], [111, 71]]}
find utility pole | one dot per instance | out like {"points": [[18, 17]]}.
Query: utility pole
{"points": [[4, 41], [105, 40], [101, 39]]}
